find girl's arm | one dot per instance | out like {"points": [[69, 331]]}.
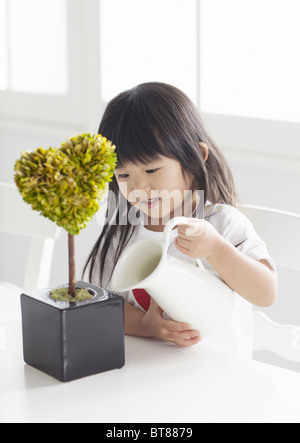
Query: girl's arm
{"points": [[152, 324], [253, 280]]}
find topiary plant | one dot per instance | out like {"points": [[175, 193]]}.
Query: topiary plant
{"points": [[66, 185]]}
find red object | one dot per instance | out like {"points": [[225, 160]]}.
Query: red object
{"points": [[142, 297]]}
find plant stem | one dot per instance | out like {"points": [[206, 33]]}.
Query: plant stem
{"points": [[72, 277]]}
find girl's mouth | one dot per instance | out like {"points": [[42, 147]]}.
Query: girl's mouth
{"points": [[151, 202]]}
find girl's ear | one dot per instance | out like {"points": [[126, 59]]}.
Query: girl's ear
{"points": [[204, 149]]}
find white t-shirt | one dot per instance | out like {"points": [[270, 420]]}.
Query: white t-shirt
{"points": [[236, 336]]}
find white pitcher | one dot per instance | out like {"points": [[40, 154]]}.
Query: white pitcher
{"points": [[186, 292]]}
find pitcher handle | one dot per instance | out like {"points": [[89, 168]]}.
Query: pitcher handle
{"points": [[167, 233]]}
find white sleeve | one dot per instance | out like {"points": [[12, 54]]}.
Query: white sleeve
{"points": [[236, 228]]}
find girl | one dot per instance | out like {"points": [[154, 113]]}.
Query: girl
{"points": [[162, 147]]}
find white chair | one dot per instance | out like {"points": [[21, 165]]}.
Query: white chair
{"points": [[281, 232], [18, 218]]}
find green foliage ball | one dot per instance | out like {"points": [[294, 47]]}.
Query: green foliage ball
{"points": [[66, 184]]}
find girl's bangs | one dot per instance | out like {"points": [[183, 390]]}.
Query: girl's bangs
{"points": [[136, 142]]}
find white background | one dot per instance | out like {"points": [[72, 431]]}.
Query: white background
{"points": [[238, 61]]}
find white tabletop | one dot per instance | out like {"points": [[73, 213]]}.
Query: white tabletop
{"points": [[160, 383]]}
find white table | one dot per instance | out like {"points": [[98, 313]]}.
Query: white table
{"points": [[159, 383]]}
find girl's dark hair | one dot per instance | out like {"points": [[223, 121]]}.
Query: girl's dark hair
{"points": [[151, 120]]}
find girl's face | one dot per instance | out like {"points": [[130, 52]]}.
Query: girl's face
{"points": [[156, 188]]}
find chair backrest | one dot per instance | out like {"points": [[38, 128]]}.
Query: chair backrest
{"points": [[281, 232], [18, 218]]}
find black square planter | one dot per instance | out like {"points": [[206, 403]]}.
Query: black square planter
{"points": [[70, 342]]}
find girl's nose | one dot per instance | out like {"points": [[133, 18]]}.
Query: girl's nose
{"points": [[141, 185]]}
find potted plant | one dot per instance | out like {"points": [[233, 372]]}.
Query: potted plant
{"points": [[77, 329]]}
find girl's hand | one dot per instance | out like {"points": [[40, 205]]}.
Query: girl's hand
{"points": [[198, 238], [154, 325]]}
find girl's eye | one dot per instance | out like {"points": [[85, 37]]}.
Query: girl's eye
{"points": [[151, 171], [120, 176], [148, 171]]}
